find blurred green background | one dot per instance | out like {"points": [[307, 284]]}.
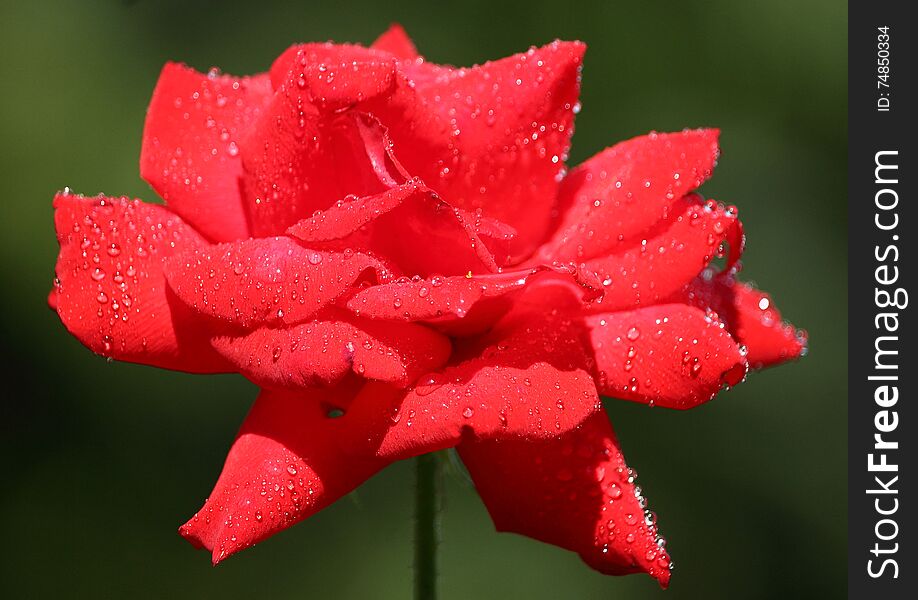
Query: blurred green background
{"points": [[104, 461]]}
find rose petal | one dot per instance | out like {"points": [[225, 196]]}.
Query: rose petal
{"points": [[110, 291], [409, 226], [323, 351], [190, 150], [461, 305], [531, 381], [321, 53], [625, 190], [379, 149], [574, 491], [435, 297], [349, 215], [266, 280], [286, 464], [670, 256], [750, 315], [669, 355], [340, 85], [396, 41]]}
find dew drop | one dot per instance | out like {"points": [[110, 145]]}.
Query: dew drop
{"points": [[696, 367]]}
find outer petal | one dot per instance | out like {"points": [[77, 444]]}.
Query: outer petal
{"points": [[492, 137], [397, 42], [272, 281], [325, 350], [190, 151], [625, 190], [670, 256], [574, 491], [531, 381], [669, 355], [110, 290], [286, 464], [750, 315]]}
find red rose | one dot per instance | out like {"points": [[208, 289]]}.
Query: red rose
{"points": [[394, 251]]}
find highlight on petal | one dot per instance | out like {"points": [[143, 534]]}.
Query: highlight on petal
{"points": [[286, 464], [396, 41], [190, 151], [272, 281], [669, 355], [624, 191], [323, 351], [670, 256], [492, 137], [574, 491], [110, 291], [751, 317]]}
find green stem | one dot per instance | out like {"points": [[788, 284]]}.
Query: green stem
{"points": [[426, 526]]}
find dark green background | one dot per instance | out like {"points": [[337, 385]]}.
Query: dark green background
{"points": [[103, 461]]}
